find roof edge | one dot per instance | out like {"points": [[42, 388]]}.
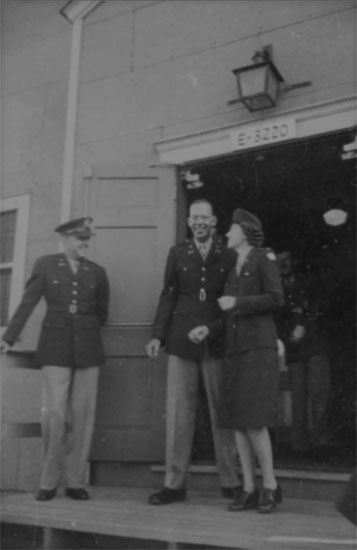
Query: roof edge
{"points": [[78, 9]]}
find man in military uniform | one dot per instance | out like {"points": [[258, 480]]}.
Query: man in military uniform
{"points": [[70, 350], [194, 278], [302, 328]]}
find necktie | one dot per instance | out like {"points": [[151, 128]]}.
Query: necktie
{"points": [[203, 251], [74, 265]]}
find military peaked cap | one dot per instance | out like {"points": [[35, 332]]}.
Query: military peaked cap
{"points": [[80, 227]]}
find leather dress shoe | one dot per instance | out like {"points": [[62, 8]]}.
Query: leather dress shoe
{"points": [[268, 500], [166, 496], [244, 501], [45, 494], [231, 492], [77, 493]]}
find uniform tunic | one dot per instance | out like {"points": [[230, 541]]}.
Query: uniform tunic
{"points": [[189, 297], [251, 374], [77, 306]]}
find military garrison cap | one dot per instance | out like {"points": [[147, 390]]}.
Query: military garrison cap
{"points": [[80, 227]]}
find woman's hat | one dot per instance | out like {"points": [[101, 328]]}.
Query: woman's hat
{"points": [[242, 216]]}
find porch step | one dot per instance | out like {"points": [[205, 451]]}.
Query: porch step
{"points": [[117, 515], [296, 483], [304, 483]]}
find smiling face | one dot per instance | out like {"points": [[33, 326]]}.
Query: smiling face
{"points": [[75, 246], [201, 221], [235, 236]]}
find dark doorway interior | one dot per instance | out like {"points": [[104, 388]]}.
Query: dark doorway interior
{"points": [[289, 187]]}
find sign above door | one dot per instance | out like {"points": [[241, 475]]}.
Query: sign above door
{"points": [[263, 133], [323, 118]]}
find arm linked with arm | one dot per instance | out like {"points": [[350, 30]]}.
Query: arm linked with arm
{"points": [[272, 296]]}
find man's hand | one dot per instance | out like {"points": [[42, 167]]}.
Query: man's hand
{"points": [[4, 346], [153, 348], [226, 302], [198, 334], [298, 333]]}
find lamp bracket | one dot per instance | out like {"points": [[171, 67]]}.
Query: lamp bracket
{"points": [[302, 84]]}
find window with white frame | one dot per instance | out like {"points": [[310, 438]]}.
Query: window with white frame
{"points": [[14, 213]]}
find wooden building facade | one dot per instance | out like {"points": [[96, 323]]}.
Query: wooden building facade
{"points": [[112, 109]]}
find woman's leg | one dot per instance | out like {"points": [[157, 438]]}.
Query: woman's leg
{"points": [[247, 460], [261, 444]]}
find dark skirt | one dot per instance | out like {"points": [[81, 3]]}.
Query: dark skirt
{"points": [[249, 391]]}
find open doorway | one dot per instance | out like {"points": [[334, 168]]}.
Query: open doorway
{"points": [[289, 187]]}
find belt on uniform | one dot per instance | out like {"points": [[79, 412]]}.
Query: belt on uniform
{"points": [[71, 308], [202, 295]]}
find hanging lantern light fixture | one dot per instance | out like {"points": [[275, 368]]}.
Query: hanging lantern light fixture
{"points": [[260, 84]]}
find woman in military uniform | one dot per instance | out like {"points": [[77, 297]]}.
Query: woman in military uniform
{"points": [[249, 391]]}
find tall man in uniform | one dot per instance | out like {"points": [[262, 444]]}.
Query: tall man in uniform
{"points": [[70, 351], [194, 278]]}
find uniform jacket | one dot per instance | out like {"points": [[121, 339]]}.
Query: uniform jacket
{"points": [[189, 296], [250, 324], [306, 304], [77, 306]]}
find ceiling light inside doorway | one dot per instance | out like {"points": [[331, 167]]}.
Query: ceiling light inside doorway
{"points": [[336, 215]]}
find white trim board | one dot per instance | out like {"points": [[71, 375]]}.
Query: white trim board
{"points": [[21, 204], [319, 119]]}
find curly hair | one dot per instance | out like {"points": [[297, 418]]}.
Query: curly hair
{"points": [[255, 236]]}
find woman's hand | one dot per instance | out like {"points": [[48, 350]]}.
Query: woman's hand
{"points": [[226, 302], [198, 334]]}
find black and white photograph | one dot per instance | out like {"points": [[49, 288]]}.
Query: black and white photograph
{"points": [[178, 274]]}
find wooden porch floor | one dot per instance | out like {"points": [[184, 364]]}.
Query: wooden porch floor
{"points": [[201, 520]]}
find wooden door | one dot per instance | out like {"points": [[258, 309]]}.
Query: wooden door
{"points": [[134, 212]]}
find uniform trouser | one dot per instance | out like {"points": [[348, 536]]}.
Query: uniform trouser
{"points": [[310, 387], [182, 389], [68, 413]]}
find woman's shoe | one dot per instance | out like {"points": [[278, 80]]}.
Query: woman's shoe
{"points": [[244, 501], [269, 498], [167, 495]]}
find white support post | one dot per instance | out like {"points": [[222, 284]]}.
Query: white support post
{"points": [[71, 121], [75, 12]]}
